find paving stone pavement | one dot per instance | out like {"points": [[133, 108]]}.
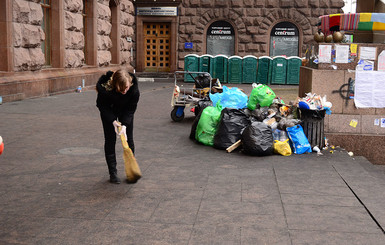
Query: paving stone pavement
{"points": [[54, 188]]}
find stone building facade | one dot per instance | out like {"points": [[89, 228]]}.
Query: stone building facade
{"points": [[252, 22], [53, 46]]}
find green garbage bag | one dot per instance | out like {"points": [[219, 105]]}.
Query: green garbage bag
{"points": [[262, 95], [208, 124]]}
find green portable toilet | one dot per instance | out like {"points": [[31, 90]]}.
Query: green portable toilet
{"points": [[234, 69], [249, 69], [278, 74], [264, 62], [206, 63], [220, 68], [191, 63], [293, 66]]}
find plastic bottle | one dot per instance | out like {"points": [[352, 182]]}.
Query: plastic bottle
{"points": [[282, 135], [276, 134]]}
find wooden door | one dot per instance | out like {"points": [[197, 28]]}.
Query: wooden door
{"points": [[157, 47]]}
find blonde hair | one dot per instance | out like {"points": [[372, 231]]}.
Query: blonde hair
{"points": [[118, 81]]}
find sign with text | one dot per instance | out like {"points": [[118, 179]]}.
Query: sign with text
{"points": [[188, 45], [157, 11], [284, 39]]}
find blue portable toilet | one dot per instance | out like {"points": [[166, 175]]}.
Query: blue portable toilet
{"points": [[206, 63], [279, 70], [264, 63], [234, 69], [191, 63], [220, 68], [249, 69], [293, 67]]}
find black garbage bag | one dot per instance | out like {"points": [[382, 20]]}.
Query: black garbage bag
{"points": [[260, 113], [194, 125], [232, 123], [202, 81], [202, 104], [257, 139]]}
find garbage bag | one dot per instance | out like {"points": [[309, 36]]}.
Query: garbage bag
{"points": [[257, 139], [232, 98], [202, 81], [202, 104], [298, 139], [287, 123], [260, 113], [208, 124], [282, 147], [230, 127], [262, 95], [194, 125]]}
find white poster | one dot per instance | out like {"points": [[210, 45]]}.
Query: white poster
{"points": [[342, 53], [381, 61], [368, 53], [369, 89], [324, 53]]}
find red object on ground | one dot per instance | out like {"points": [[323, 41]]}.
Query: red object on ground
{"points": [[1, 147]]}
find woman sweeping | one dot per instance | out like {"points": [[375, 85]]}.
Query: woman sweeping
{"points": [[118, 96]]}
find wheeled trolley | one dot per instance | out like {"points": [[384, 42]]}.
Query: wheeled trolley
{"points": [[188, 94]]}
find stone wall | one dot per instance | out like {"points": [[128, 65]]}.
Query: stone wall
{"points": [[127, 30], [252, 21], [28, 35], [73, 33], [104, 27]]}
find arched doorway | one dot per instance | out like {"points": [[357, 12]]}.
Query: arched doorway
{"points": [[284, 39], [220, 38]]}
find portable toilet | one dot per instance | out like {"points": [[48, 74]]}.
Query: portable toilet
{"points": [[206, 63], [278, 74], [264, 62], [234, 69], [249, 69], [220, 68], [191, 63], [293, 67]]}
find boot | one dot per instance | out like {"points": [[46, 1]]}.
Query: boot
{"points": [[111, 163]]}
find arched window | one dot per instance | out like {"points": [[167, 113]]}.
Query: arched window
{"points": [[284, 39], [220, 39]]}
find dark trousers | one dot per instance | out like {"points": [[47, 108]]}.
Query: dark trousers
{"points": [[110, 135]]}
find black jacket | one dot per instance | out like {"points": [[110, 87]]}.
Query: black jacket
{"points": [[112, 104]]}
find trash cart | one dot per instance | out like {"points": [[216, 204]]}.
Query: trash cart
{"points": [[191, 64], [234, 69], [313, 126], [249, 69]]}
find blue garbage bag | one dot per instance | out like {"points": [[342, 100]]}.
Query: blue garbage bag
{"points": [[298, 139], [230, 97]]}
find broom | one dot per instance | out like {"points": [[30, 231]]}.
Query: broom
{"points": [[131, 167]]}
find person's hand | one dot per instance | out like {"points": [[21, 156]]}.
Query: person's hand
{"points": [[123, 131], [116, 126]]}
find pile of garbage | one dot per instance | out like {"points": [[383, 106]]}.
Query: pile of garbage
{"points": [[261, 124], [315, 102]]}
